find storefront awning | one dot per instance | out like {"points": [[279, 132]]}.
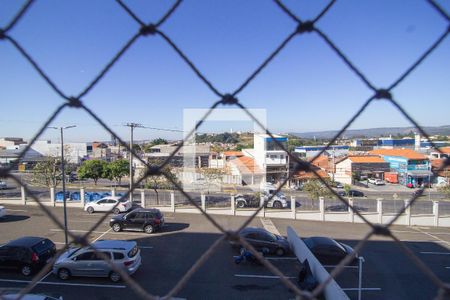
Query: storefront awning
{"points": [[420, 173]]}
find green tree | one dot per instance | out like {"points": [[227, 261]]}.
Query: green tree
{"points": [[347, 188], [212, 175], [315, 189], [93, 169], [158, 182], [158, 141], [47, 172], [445, 190], [116, 170]]}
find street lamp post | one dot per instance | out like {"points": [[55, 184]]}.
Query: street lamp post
{"points": [[64, 179]]}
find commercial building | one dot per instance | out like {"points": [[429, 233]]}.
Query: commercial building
{"points": [[312, 151], [360, 166], [413, 168], [73, 152]]}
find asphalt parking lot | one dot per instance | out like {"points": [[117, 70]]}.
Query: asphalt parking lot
{"points": [[169, 254]]}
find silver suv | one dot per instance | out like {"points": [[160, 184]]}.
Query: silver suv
{"points": [[85, 262]]}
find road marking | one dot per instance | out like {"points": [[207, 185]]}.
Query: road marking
{"points": [[269, 226], [436, 253], [22, 210], [433, 236], [42, 279], [262, 276], [145, 247], [102, 235], [76, 230], [345, 267], [419, 232], [447, 267], [69, 284], [281, 258], [362, 289]]}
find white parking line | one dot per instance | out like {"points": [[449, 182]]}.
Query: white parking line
{"points": [[269, 226], [362, 289], [345, 267], [436, 253], [433, 236], [42, 279], [101, 235], [75, 230], [447, 267], [281, 258], [21, 210], [69, 284], [262, 276]]}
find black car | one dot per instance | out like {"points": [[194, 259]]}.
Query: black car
{"points": [[26, 254], [148, 220], [263, 241], [328, 251], [351, 193]]}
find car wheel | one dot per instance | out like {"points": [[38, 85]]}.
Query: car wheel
{"points": [[114, 276], [277, 204], [116, 227], [240, 204], [63, 274], [148, 229], [26, 270], [280, 252], [116, 211], [90, 209]]}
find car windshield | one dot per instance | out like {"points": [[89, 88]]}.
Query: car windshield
{"points": [[42, 246], [123, 200]]}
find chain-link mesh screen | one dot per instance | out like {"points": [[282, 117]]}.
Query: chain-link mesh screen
{"points": [[148, 29]]}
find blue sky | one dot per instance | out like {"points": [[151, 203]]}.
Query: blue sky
{"points": [[306, 88]]}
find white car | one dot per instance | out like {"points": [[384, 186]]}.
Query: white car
{"points": [[376, 181], [2, 211], [107, 204]]}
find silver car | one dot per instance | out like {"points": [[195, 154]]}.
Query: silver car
{"points": [[85, 262]]}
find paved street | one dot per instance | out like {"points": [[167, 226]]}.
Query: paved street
{"points": [[167, 255]]}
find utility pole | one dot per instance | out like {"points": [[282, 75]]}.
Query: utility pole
{"points": [[64, 179], [132, 126]]}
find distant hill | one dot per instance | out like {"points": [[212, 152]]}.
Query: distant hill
{"points": [[374, 132]]}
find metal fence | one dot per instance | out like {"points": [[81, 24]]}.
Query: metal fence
{"points": [[147, 29]]}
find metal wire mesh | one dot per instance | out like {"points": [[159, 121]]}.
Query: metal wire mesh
{"points": [[226, 99]]}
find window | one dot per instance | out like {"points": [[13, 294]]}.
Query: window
{"points": [[118, 255], [140, 215], [42, 246], [101, 202], [273, 156], [85, 256], [98, 257], [111, 201], [131, 216]]}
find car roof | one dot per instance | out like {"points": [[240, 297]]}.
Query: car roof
{"points": [[26, 241], [322, 241], [114, 244], [153, 210], [111, 197], [252, 229]]}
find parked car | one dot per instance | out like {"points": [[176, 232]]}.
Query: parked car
{"points": [[351, 193], [16, 295], [344, 207], [376, 181], [108, 204], [26, 254], [3, 185], [2, 211], [263, 241], [85, 262], [328, 251], [338, 185], [148, 220]]}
